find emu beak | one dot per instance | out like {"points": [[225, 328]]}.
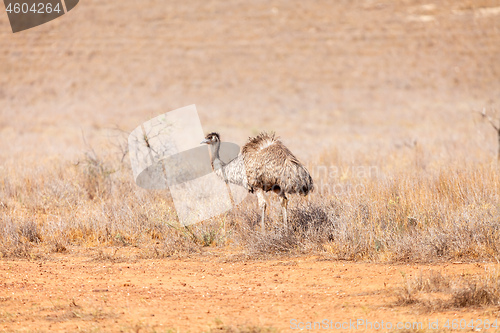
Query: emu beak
{"points": [[205, 141]]}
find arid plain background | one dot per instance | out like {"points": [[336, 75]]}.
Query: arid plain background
{"points": [[359, 76], [391, 89]]}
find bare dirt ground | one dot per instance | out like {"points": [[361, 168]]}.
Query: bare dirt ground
{"points": [[78, 293]]}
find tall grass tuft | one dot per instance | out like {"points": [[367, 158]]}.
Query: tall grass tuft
{"points": [[434, 291]]}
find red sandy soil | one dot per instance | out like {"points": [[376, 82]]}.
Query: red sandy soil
{"points": [[74, 293]]}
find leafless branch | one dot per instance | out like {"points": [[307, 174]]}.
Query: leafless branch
{"points": [[496, 127], [490, 120]]}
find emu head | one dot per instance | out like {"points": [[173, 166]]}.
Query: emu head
{"points": [[211, 138]]}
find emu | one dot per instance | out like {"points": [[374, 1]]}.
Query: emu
{"points": [[264, 164]]}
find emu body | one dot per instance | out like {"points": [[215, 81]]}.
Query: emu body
{"points": [[264, 164]]}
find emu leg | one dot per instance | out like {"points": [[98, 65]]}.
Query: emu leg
{"points": [[284, 206], [262, 205]]}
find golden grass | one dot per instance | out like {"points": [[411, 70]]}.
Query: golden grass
{"points": [[363, 212], [433, 291]]}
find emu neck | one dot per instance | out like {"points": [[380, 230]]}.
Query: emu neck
{"points": [[214, 156]]}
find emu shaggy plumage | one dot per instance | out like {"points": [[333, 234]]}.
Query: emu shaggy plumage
{"points": [[271, 166], [264, 164]]}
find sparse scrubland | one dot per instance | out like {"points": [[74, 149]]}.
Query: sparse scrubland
{"points": [[357, 212], [433, 291], [381, 100]]}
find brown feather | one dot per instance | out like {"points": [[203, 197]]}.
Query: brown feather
{"points": [[271, 166]]}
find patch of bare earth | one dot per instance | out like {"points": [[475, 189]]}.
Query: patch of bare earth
{"points": [[76, 292]]}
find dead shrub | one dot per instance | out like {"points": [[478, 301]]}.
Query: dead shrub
{"points": [[433, 291], [95, 175], [478, 291], [29, 231]]}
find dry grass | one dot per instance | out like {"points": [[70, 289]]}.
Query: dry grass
{"points": [[415, 291], [250, 329], [478, 291], [416, 215], [433, 291], [360, 213], [222, 328], [390, 93]]}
